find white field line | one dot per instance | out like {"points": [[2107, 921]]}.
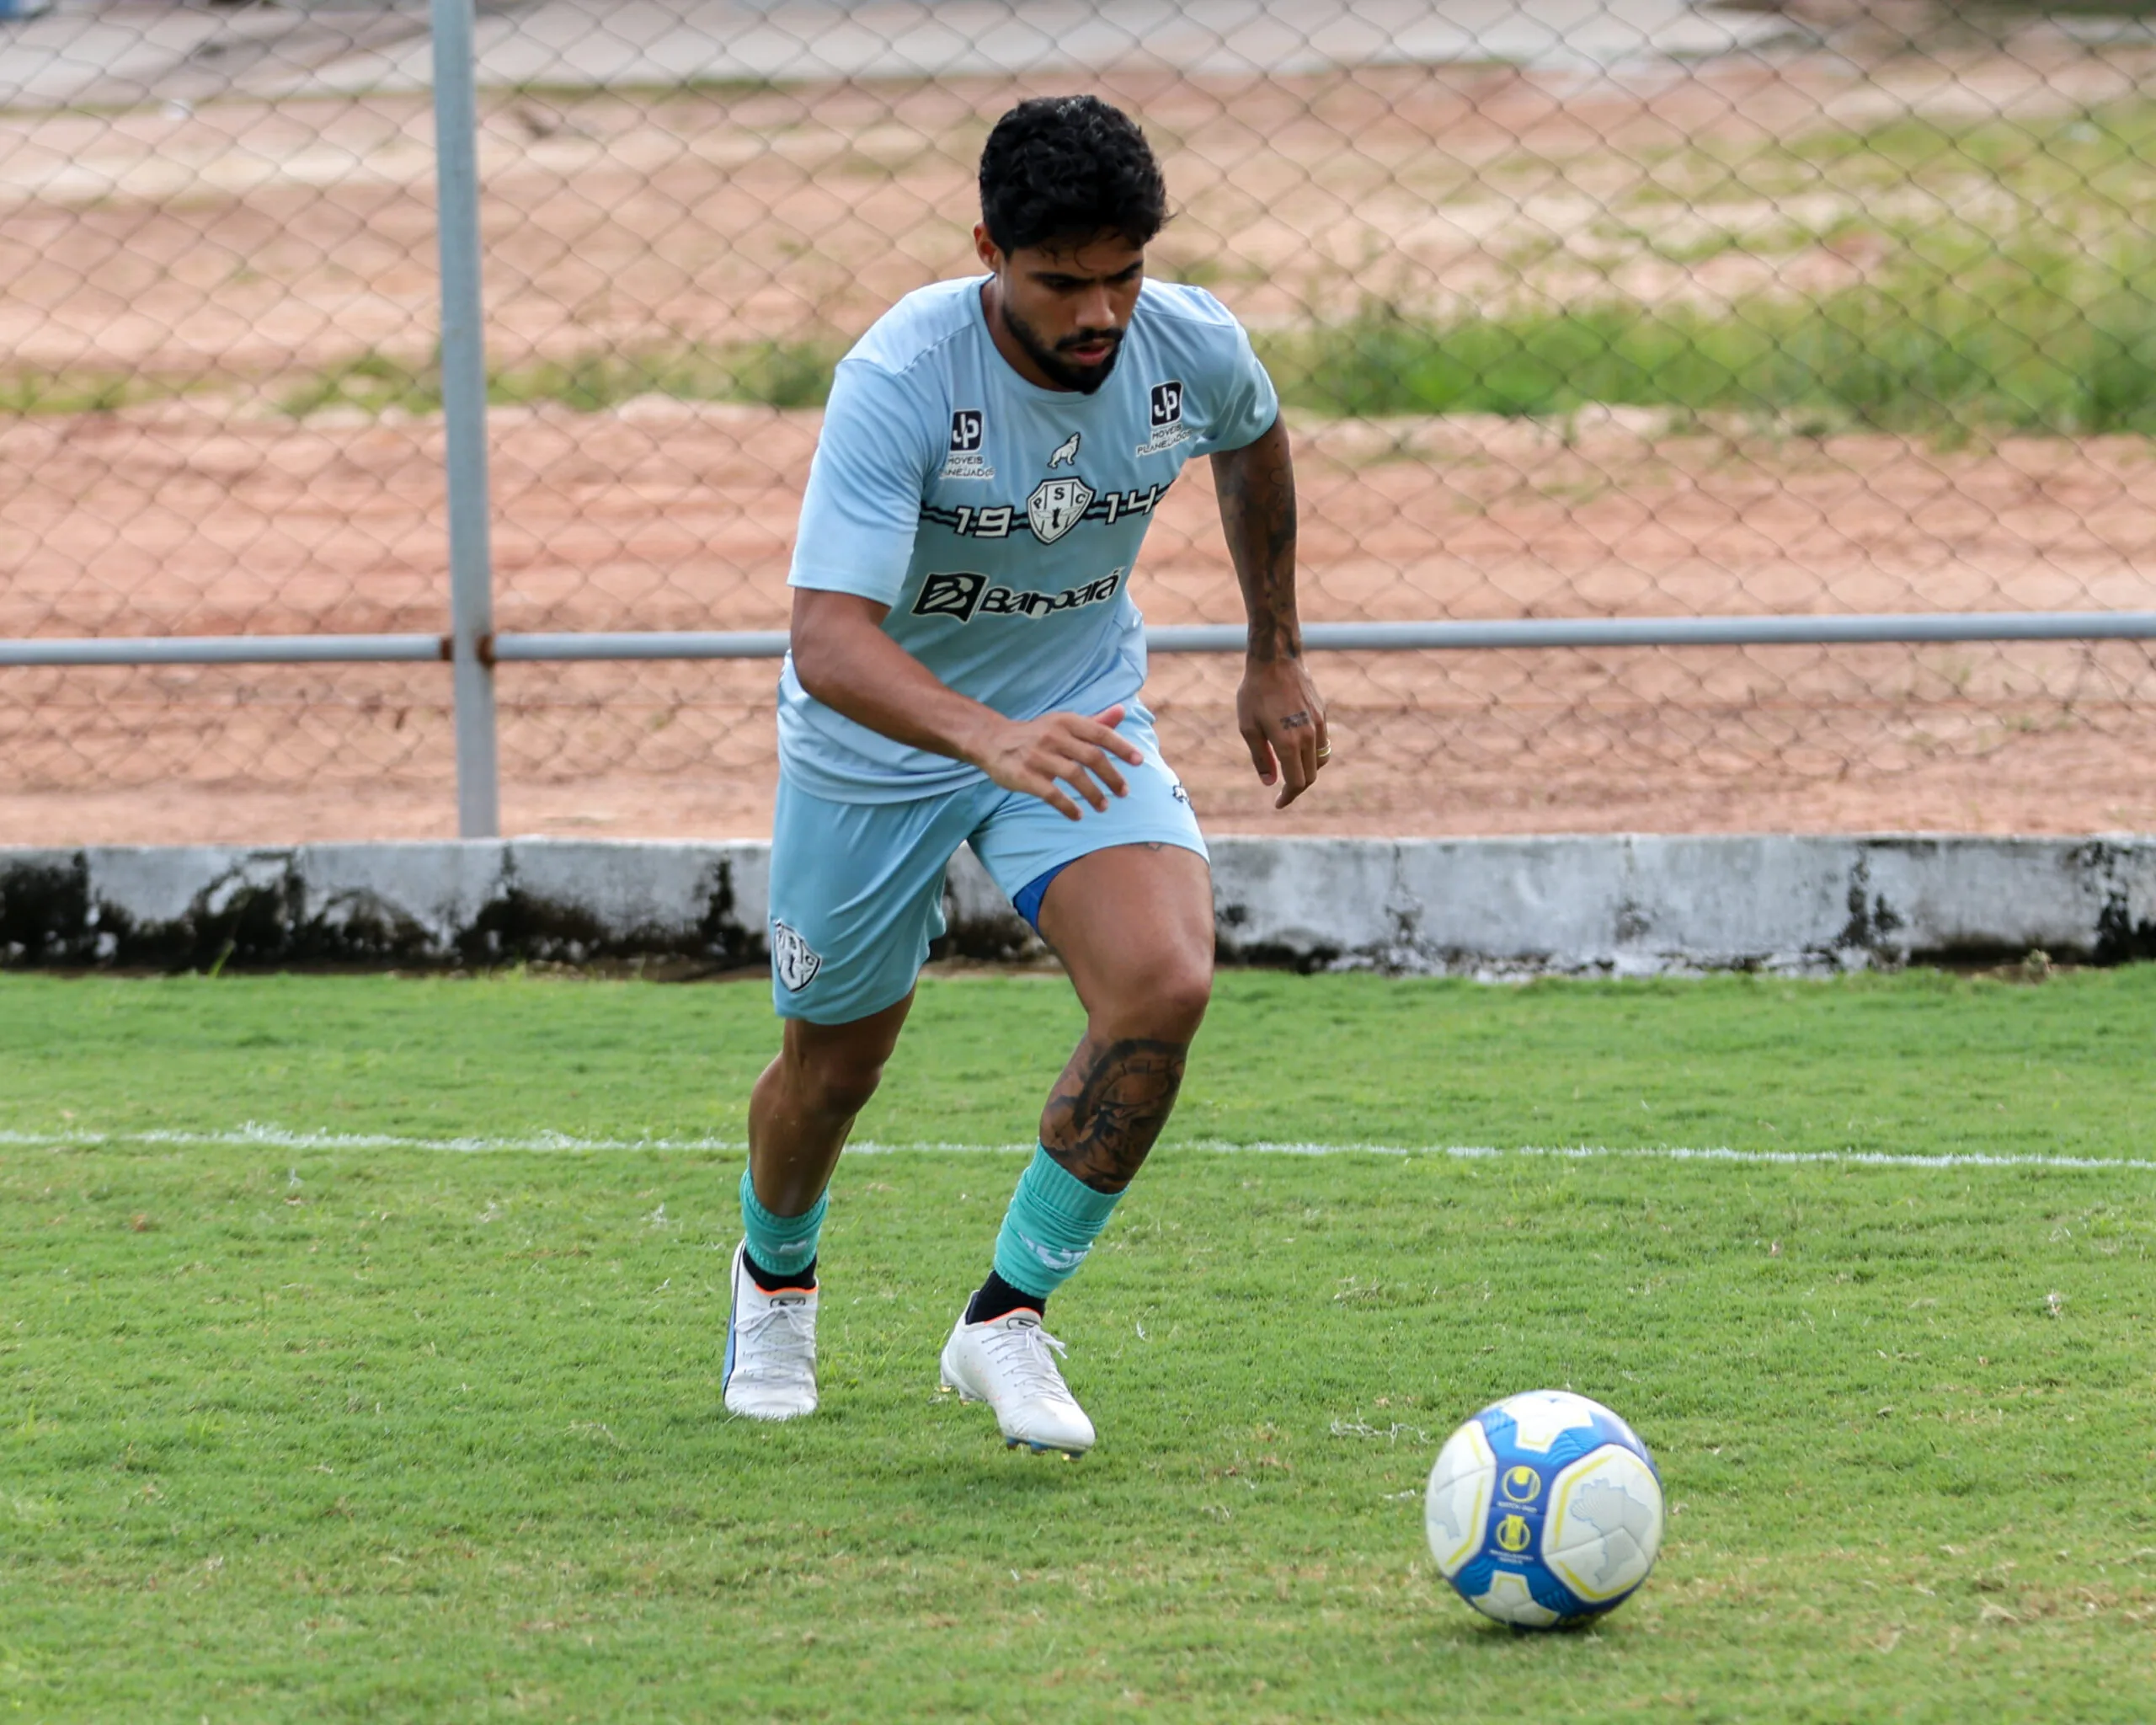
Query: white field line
{"points": [[266, 1137]]}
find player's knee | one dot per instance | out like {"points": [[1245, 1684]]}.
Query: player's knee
{"points": [[838, 1079], [843, 1091], [1175, 996], [843, 1084]]}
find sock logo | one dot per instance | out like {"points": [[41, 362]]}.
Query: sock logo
{"points": [[1053, 1258], [795, 960]]}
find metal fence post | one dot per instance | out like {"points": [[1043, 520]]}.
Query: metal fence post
{"points": [[464, 420]]}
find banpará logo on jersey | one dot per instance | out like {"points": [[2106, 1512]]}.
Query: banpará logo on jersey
{"points": [[965, 596], [1164, 418], [968, 433], [1058, 505], [795, 960]]}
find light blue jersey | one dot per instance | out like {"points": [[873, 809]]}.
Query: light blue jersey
{"points": [[998, 521]]}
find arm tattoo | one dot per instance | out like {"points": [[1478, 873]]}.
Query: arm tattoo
{"points": [[1109, 1106], [1257, 487]]}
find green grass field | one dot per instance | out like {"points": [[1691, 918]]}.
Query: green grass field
{"points": [[329, 1422]]}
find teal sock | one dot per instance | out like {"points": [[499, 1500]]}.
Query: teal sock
{"points": [[1052, 1223], [780, 1244]]}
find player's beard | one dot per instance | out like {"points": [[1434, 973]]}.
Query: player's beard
{"points": [[1084, 379]]}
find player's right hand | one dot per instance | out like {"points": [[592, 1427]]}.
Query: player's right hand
{"points": [[1039, 757]]}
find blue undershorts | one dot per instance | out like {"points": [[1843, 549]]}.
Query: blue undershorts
{"points": [[1027, 900], [856, 890]]}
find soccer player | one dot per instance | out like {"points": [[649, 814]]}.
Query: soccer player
{"points": [[965, 668]]}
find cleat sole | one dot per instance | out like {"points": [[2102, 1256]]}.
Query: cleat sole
{"points": [[1042, 1449]]}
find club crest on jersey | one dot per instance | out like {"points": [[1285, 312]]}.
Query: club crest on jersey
{"points": [[968, 433], [1058, 505], [1067, 452], [795, 960]]}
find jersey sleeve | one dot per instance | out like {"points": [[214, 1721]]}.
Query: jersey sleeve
{"points": [[1244, 403], [862, 505]]}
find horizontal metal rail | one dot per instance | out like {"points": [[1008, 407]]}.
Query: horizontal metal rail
{"points": [[1683, 631], [1906, 628], [227, 649], [641, 643]]}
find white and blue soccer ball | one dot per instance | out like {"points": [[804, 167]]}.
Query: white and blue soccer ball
{"points": [[1543, 1509]]}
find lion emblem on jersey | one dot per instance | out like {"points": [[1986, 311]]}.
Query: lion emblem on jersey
{"points": [[1056, 506]]}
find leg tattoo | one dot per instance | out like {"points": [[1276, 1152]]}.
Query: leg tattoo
{"points": [[1109, 1106]]}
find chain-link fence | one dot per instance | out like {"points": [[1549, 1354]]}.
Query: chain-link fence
{"points": [[1581, 309]]}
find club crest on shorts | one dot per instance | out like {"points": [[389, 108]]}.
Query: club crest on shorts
{"points": [[795, 960], [1056, 506]]}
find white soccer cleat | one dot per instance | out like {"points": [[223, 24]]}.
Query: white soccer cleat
{"points": [[1007, 1362], [770, 1348]]}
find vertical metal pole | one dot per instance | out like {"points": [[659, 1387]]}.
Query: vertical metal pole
{"points": [[464, 420]]}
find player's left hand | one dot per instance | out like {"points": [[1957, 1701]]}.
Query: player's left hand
{"points": [[1283, 720]]}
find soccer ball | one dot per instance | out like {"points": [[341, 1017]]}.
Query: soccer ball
{"points": [[1543, 1509]]}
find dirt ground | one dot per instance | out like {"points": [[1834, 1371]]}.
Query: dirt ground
{"points": [[673, 515], [232, 247]]}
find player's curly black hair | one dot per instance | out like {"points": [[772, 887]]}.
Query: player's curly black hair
{"points": [[1069, 167]]}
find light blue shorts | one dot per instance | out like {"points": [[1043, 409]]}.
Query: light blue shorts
{"points": [[858, 888]]}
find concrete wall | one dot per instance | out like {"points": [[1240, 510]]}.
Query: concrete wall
{"points": [[1610, 905]]}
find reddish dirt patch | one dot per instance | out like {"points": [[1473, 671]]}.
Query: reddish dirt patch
{"points": [[664, 516], [251, 245]]}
